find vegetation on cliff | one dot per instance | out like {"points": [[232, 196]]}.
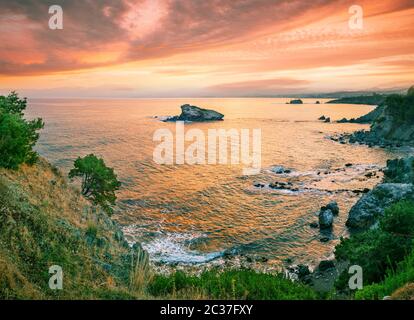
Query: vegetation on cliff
{"points": [[44, 222], [374, 99], [394, 123], [18, 136], [379, 250], [99, 182]]}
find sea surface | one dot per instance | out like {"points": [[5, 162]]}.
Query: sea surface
{"points": [[196, 214]]}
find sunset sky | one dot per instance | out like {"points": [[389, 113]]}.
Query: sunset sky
{"points": [[170, 48]]}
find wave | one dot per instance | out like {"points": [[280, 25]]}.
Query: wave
{"points": [[175, 248]]}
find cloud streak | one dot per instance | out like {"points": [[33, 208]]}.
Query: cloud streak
{"points": [[269, 45]]}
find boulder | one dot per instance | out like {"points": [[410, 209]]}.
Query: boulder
{"points": [[333, 206], [301, 271], [325, 219], [327, 120], [280, 170], [366, 212], [399, 170], [326, 265], [193, 113], [322, 118], [296, 101]]}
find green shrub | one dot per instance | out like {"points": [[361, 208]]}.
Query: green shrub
{"points": [[99, 182], [399, 219], [17, 135], [404, 273], [401, 107], [379, 250], [231, 284]]}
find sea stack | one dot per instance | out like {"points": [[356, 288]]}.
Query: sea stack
{"points": [[193, 113]]}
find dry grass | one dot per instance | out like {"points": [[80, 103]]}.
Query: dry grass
{"points": [[49, 189], [141, 273], [404, 293], [44, 221]]}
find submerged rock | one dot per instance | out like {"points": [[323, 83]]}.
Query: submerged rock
{"points": [[280, 170], [314, 225], [193, 113]]}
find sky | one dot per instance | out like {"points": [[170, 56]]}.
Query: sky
{"points": [[186, 48]]}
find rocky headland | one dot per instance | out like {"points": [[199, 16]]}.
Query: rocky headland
{"points": [[375, 99]]}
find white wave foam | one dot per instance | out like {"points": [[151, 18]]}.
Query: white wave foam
{"points": [[174, 248]]}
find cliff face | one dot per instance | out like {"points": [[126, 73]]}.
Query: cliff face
{"points": [[390, 126], [396, 186], [392, 123], [45, 222]]}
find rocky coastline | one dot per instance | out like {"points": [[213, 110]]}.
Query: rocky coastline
{"points": [[388, 129]]}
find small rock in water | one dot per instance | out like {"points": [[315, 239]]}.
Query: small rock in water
{"points": [[333, 206], [369, 174], [280, 170], [325, 219], [314, 225], [324, 239], [259, 185]]}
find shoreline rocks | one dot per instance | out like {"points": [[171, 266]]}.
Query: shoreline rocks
{"points": [[333, 206], [365, 119], [366, 212], [397, 185], [281, 170]]}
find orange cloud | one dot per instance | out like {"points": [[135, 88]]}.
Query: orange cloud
{"points": [[202, 46]]}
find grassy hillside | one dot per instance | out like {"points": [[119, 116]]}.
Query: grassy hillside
{"points": [[44, 222]]}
